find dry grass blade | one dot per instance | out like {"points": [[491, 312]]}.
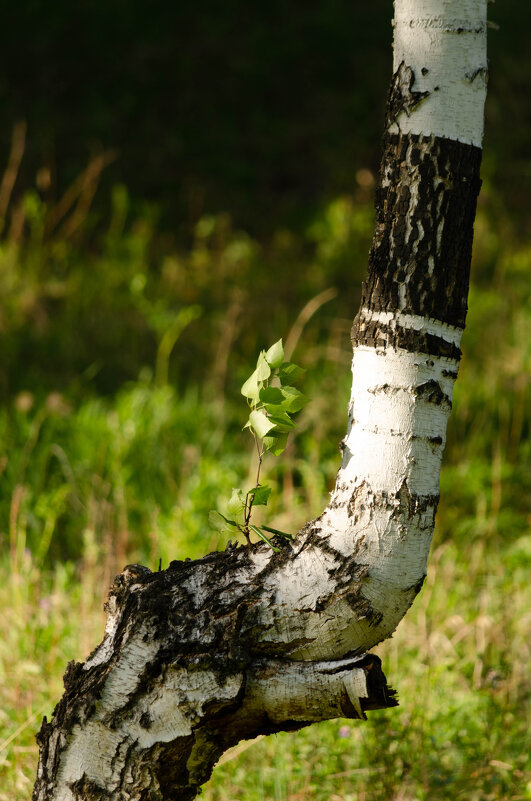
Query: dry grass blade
{"points": [[232, 753], [305, 315], [81, 190], [23, 726], [18, 144]]}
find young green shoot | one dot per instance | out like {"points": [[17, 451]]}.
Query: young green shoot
{"points": [[273, 400]]}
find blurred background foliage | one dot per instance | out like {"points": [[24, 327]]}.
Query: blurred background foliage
{"points": [[182, 185]]}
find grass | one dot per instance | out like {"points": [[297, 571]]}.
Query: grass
{"points": [[96, 475], [459, 660]]}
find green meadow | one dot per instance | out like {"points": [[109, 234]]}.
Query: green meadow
{"points": [[122, 427]]}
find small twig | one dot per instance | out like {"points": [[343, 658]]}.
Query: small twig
{"points": [[250, 500], [24, 725]]}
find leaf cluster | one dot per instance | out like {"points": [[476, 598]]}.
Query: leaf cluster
{"points": [[273, 400]]}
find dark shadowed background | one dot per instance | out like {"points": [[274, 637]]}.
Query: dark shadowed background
{"points": [[262, 110]]}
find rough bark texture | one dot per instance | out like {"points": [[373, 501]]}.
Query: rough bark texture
{"points": [[420, 258], [248, 641], [177, 681]]}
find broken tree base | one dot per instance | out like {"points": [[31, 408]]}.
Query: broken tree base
{"points": [[154, 707]]}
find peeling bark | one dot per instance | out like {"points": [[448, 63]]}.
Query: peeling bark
{"points": [[249, 641], [176, 682]]}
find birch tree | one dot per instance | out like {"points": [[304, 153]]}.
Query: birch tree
{"points": [[250, 641]]}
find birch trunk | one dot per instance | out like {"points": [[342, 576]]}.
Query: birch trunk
{"points": [[248, 641]]}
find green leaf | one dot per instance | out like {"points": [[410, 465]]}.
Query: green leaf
{"points": [[281, 420], [260, 494], [290, 373], [274, 410], [251, 388], [217, 520], [260, 423], [271, 395], [279, 533], [276, 443], [275, 354], [263, 537], [263, 370], [279, 401], [236, 502], [294, 400]]}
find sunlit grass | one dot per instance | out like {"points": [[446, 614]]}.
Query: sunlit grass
{"points": [[459, 661], [47, 620]]}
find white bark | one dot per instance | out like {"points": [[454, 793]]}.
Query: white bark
{"points": [[445, 45]]}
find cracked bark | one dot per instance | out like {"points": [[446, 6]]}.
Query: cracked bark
{"points": [[248, 641]]}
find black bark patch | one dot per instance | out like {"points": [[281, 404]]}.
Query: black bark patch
{"points": [[420, 257], [402, 96], [145, 720], [382, 335], [377, 683], [419, 584], [409, 505], [86, 790], [356, 504], [431, 392], [387, 389], [471, 76], [362, 608], [72, 674], [173, 757]]}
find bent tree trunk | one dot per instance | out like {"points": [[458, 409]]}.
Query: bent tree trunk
{"points": [[249, 641]]}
